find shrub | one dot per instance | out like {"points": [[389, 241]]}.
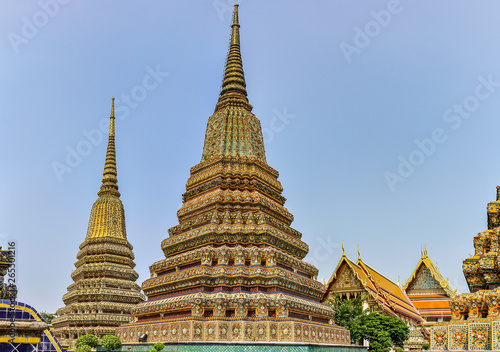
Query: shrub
{"points": [[159, 346], [425, 346], [111, 342], [153, 350], [83, 348], [87, 340]]}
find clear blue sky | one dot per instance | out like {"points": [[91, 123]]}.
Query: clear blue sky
{"points": [[343, 90]]}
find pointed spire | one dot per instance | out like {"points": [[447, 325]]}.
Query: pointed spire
{"points": [[233, 84], [343, 251], [109, 181], [359, 255]]}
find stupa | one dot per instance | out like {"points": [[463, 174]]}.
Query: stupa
{"points": [[104, 289], [233, 269], [475, 321]]}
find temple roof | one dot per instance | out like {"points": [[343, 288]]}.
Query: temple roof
{"points": [[426, 266], [388, 295]]}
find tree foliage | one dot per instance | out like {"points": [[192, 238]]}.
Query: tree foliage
{"points": [[349, 314], [383, 331], [48, 317], [111, 342], [87, 340]]}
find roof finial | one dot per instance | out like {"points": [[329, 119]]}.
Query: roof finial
{"points": [[359, 255], [109, 181], [233, 84], [343, 251]]}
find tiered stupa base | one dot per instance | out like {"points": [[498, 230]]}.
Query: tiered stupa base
{"points": [[234, 330]]}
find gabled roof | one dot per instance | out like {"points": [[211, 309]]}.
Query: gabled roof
{"points": [[388, 295], [358, 273], [426, 262], [392, 293]]}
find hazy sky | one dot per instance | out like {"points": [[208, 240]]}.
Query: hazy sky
{"points": [[382, 118]]}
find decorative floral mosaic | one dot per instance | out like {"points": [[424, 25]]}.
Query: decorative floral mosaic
{"points": [[424, 280], [189, 330], [495, 335], [479, 336], [457, 337]]}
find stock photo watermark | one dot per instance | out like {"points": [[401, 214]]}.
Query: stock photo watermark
{"points": [[75, 155], [31, 25], [224, 6], [279, 121], [453, 116], [323, 250], [11, 288], [363, 35]]}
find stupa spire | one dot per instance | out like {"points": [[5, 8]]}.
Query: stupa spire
{"points": [[233, 84], [109, 180]]}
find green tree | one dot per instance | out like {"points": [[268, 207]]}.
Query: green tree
{"points": [[153, 350], [383, 331], [87, 340], [47, 317], [159, 346], [349, 314], [111, 342], [398, 330]]}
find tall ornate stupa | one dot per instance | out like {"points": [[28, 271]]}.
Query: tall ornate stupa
{"points": [[104, 289], [475, 323], [233, 268]]}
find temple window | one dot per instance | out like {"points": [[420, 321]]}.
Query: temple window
{"points": [[263, 262], [247, 262], [208, 313], [230, 262], [229, 313], [214, 262], [251, 313]]}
